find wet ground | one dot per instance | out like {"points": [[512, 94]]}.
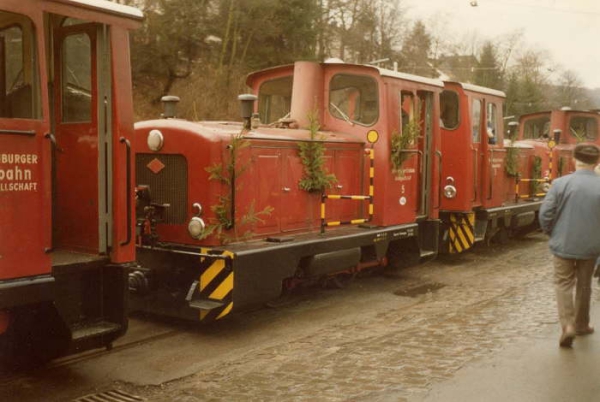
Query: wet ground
{"points": [[407, 336]]}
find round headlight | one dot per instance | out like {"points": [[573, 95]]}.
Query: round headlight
{"points": [[449, 191], [155, 140], [196, 227]]}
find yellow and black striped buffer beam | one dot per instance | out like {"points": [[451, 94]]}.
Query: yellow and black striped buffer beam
{"points": [[216, 283], [461, 232]]}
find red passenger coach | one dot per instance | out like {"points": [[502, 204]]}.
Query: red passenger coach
{"points": [[333, 171], [479, 198], [66, 183]]}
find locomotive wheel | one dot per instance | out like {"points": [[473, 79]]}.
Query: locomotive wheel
{"points": [[35, 335]]}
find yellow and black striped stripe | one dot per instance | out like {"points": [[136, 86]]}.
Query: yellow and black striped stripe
{"points": [[461, 232], [371, 182], [216, 283], [369, 198]]}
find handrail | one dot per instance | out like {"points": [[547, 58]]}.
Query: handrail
{"points": [[125, 141], [352, 197], [29, 133], [440, 190], [475, 174]]}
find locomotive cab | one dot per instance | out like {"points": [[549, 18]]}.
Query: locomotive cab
{"points": [[66, 199]]}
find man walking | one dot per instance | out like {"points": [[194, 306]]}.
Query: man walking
{"points": [[570, 215]]}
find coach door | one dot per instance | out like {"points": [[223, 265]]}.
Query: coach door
{"points": [[23, 235], [79, 191]]}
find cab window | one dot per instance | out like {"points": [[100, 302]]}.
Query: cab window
{"points": [[536, 128], [275, 99], [584, 128], [449, 110], [493, 134], [19, 94], [354, 98], [476, 120], [76, 79]]}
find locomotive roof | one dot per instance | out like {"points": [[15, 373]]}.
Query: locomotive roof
{"points": [[477, 88], [409, 77], [395, 74], [382, 71], [106, 7], [563, 109]]}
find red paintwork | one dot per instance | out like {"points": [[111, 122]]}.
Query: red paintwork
{"points": [[78, 142], [274, 165], [476, 167], [558, 120], [26, 217]]}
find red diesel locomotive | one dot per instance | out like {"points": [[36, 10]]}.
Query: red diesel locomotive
{"points": [[554, 134], [66, 182], [335, 169]]}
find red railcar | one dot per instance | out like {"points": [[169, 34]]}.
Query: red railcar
{"points": [[554, 134], [226, 221], [479, 170], [66, 199]]}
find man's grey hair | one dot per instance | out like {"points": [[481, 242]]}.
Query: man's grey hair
{"points": [[583, 165]]}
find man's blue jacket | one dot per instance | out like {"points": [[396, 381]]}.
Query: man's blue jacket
{"points": [[570, 215]]}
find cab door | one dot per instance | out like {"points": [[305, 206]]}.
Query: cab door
{"points": [[77, 189], [477, 149]]}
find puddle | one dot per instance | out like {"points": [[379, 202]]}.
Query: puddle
{"points": [[419, 290]]}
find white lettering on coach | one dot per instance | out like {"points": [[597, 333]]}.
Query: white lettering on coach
{"points": [[16, 174]]}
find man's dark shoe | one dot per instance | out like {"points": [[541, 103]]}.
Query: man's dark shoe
{"points": [[584, 331], [566, 339]]}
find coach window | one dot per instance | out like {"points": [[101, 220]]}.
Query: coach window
{"points": [[491, 124], [19, 93], [354, 98], [275, 99], [76, 79], [449, 110], [407, 109], [536, 128], [476, 120], [584, 128]]}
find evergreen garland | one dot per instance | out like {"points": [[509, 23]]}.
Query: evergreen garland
{"points": [[222, 210], [536, 174], [511, 166], [403, 141], [560, 165], [312, 154]]}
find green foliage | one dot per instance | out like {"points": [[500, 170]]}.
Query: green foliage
{"points": [[312, 155], [224, 221], [487, 74], [402, 142], [536, 174], [560, 166], [511, 166], [579, 135], [415, 50]]}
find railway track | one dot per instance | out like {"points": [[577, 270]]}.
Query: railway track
{"points": [[8, 377]]}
